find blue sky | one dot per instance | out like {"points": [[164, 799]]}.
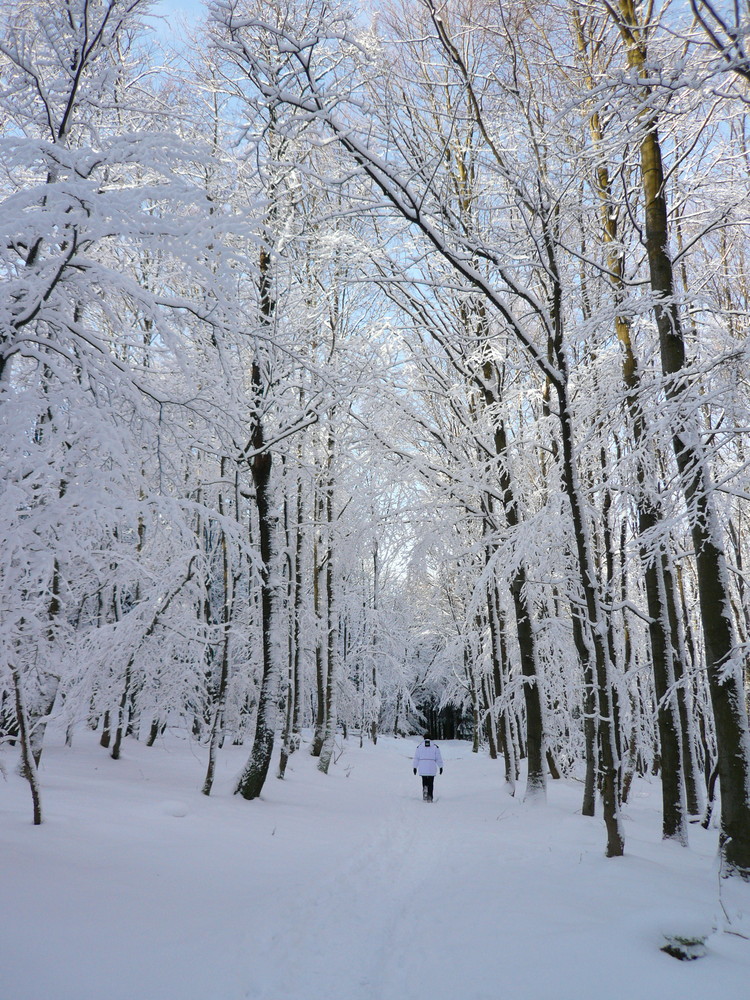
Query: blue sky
{"points": [[180, 6], [187, 8], [172, 13]]}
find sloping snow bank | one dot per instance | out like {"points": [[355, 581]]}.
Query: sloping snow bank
{"points": [[341, 887]]}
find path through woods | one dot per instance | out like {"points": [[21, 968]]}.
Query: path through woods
{"points": [[341, 887]]}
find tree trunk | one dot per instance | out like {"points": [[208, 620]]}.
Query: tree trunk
{"points": [[471, 683], [684, 701], [227, 604], [329, 741], [536, 781], [106, 738], [254, 775], [374, 719], [722, 657], [28, 764], [293, 599], [649, 514], [488, 702], [122, 709], [320, 664], [590, 713], [607, 744], [499, 660]]}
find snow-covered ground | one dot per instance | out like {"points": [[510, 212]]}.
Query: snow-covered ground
{"points": [[341, 887]]}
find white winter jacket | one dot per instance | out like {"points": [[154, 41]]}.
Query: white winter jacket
{"points": [[427, 758]]}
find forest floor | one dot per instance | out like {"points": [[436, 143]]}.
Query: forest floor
{"points": [[342, 887]]}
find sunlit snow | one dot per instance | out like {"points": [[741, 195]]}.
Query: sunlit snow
{"points": [[342, 887]]}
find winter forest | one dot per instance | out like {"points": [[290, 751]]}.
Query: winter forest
{"points": [[369, 369]]}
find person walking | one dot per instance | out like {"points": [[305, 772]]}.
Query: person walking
{"points": [[427, 763]]}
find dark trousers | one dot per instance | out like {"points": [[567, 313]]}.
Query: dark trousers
{"points": [[428, 781]]}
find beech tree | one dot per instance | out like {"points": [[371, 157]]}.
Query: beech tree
{"points": [[96, 355], [723, 664]]}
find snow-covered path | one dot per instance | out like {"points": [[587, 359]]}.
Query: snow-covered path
{"points": [[341, 887]]}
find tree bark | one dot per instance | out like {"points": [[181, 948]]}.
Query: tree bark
{"points": [[320, 663], [255, 772], [499, 660], [536, 781], [607, 746], [217, 727], [28, 763], [653, 561], [329, 740], [289, 739], [722, 657]]}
